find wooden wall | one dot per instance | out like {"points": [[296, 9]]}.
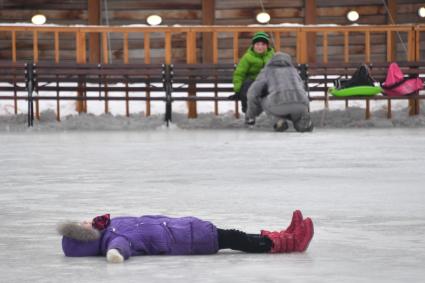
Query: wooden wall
{"points": [[63, 12], [189, 12], [372, 12]]}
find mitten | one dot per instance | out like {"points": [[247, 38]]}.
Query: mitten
{"points": [[235, 96], [114, 256]]}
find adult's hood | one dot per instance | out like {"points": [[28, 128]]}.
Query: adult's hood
{"points": [[280, 59]]}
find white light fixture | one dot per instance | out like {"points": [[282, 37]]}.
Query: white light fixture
{"points": [[421, 12], [154, 20], [38, 19], [353, 16], [263, 18]]}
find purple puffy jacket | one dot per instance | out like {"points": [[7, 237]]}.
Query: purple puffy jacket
{"points": [[149, 235]]}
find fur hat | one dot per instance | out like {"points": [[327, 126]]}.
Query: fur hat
{"points": [[76, 231]]}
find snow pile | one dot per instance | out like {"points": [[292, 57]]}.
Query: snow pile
{"points": [[337, 116], [83, 122], [353, 117]]}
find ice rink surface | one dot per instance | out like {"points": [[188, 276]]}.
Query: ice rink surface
{"points": [[363, 188]]}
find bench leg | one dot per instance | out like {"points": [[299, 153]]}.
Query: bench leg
{"points": [[15, 102], [418, 107], [148, 103], [367, 109], [237, 110], [413, 107], [37, 109], [58, 110], [127, 103]]}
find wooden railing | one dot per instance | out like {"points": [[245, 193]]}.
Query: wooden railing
{"points": [[192, 33], [419, 48]]}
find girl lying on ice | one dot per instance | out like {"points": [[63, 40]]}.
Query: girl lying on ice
{"points": [[121, 237]]}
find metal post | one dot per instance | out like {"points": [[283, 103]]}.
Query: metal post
{"points": [[168, 85], [29, 69]]}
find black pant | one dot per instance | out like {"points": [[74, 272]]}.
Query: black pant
{"points": [[241, 241]]}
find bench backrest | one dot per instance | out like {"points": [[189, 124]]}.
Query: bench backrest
{"points": [[187, 76], [379, 70], [48, 75], [12, 76]]}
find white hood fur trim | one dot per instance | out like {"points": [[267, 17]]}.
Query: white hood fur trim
{"points": [[75, 231]]}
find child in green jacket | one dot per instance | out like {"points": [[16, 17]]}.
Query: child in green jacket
{"points": [[250, 65]]}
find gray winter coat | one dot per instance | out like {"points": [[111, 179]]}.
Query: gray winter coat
{"points": [[278, 89]]}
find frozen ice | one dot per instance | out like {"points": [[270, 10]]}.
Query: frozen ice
{"points": [[360, 180], [363, 188]]}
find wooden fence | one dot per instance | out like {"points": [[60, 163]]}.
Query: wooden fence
{"points": [[81, 39]]}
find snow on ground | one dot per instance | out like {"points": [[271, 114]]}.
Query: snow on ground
{"points": [[337, 116]]}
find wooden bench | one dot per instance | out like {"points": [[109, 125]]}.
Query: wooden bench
{"points": [[320, 78], [417, 68], [176, 82], [202, 82], [98, 82], [205, 82]]}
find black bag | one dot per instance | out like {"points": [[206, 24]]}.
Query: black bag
{"points": [[361, 77]]}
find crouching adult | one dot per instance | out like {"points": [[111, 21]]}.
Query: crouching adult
{"points": [[279, 91]]}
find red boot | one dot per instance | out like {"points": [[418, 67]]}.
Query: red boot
{"points": [[282, 242], [297, 219], [303, 235], [296, 239]]}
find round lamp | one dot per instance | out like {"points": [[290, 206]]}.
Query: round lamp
{"points": [[154, 20], [263, 17], [353, 16], [38, 19]]}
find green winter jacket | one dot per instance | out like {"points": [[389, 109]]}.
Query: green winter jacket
{"points": [[250, 66]]}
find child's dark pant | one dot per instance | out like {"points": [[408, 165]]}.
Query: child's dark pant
{"points": [[238, 240], [244, 93]]}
